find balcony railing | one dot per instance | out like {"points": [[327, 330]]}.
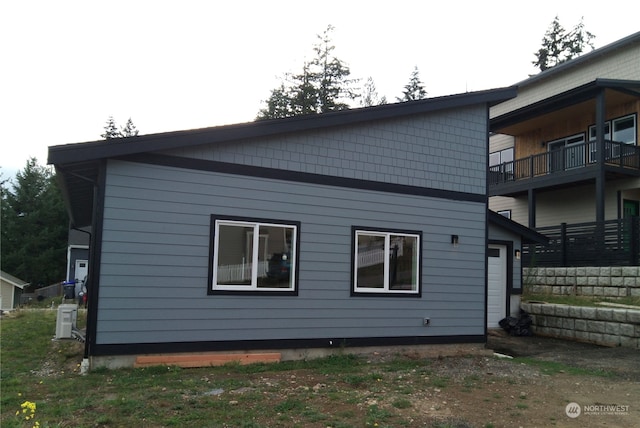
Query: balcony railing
{"points": [[564, 159]]}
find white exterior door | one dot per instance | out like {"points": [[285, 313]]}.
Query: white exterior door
{"points": [[82, 269], [497, 285]]}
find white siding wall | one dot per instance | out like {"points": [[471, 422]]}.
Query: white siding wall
{"points": [[575, 205], [620, 64]]}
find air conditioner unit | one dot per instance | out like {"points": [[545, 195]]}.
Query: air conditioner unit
{"points": [[66, 321]]}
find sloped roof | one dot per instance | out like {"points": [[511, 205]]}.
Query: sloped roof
{"points": [[529, 236], [571, 97], [13, 280], [78, 165], [579, 61]]}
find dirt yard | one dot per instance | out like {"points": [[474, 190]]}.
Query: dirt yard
{"points": [[463, 392]]}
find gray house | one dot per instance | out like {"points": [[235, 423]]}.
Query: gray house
{"points": [[365, 227]]}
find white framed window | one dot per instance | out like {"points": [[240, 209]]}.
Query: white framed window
{"points": [[253, 255], [505, 213], [501, 156], [386, 262], [624, 131]]}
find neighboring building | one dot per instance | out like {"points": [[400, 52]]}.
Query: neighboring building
{"points": [[565, 150], [78, 258], [365, 227], [10, 290]]}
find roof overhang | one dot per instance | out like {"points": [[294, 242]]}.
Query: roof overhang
{"points": [[82, 152], [527, 235], [79, 166], [574, 102], [12, 280]]}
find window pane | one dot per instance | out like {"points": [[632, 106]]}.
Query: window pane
{"points": [[275, 257], [494, 159], [624, 130], [403, 263], [235, 258], [370, 261], [507, 155], [592, 132]]}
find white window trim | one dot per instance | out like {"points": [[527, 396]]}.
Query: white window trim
{"points": [[255, 250], [387, 248]]}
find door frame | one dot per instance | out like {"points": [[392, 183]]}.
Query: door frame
{"points": [[509, 290]]}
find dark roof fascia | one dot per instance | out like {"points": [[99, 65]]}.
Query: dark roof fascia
{"points": [[564, 99], [69, 153], [576, 62], [527, 235]]}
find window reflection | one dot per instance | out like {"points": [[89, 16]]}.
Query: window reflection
{"points": [[254, 255]]}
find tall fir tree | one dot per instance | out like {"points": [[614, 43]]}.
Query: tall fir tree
{"points": [[111, 130], [129, 129], [560, 45], [370, 95], [414, 89], [323, 85], [333, 84], [34, 226]]}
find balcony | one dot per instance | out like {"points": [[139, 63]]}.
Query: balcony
{"points": [[570, 164]]}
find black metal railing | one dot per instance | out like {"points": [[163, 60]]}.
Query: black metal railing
{"points": [[563, 159], [609, 243]]}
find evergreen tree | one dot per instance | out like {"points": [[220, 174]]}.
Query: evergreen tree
{"points": [[110, 129], [129, 129], [332, 81], [560, 45], [414, 90], [322, 86], [370, 95], [278, 104], [34, 227]]}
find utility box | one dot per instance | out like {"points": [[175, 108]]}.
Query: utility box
{"points": [[66, 321]]}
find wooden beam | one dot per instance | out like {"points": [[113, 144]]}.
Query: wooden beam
{"points": [[205, 360]]}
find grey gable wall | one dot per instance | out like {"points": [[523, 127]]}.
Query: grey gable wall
{"points": [[444, 150], [155, 246]]}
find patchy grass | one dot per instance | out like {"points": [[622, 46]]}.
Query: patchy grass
{"points": [[338, 391], [591, 301], [552, 368]]}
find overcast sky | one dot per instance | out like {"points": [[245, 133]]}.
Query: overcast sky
{"points": [[172, 65]]}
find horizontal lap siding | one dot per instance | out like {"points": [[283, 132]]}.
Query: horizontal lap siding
{"points": [[155, 260]]}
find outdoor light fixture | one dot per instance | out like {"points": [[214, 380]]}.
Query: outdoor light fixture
{"points": [[454, 240], [517, 254]]}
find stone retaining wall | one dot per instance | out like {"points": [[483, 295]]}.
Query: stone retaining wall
{"points": [[617, 281], [603, 326]]}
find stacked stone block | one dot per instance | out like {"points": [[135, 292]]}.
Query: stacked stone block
{"points": [[602, 326], [609, 282]]}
